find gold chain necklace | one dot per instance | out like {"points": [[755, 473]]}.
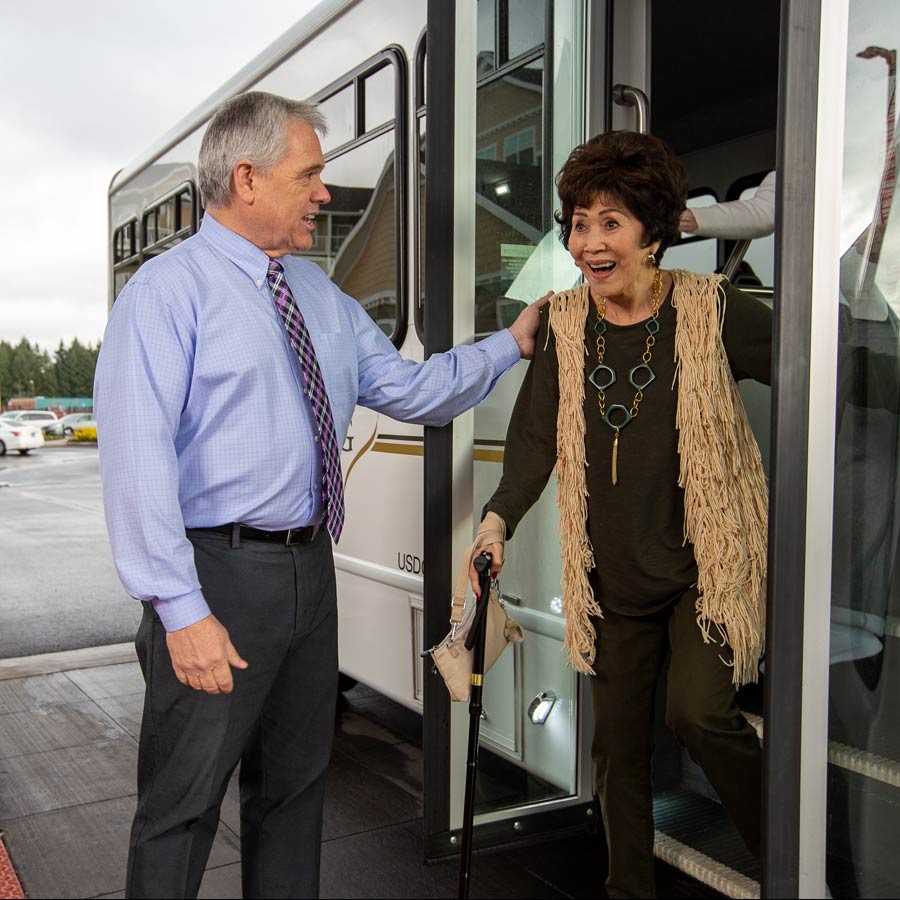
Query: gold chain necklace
{"points": [[604, 377]]}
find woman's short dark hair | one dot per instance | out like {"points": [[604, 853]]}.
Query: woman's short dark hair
{"points": [[639, 171]]}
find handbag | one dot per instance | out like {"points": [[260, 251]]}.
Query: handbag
{"points": [[450, 656]]}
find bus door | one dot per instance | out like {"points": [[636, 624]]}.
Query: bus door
{"points": [[509, 80], [845, 751], [679, 71], [541, 84], [806, 87]]}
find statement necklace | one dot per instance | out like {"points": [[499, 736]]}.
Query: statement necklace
{"points": [[641, 376]]}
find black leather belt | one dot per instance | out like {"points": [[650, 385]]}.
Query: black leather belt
{"points": [[305, 535]]}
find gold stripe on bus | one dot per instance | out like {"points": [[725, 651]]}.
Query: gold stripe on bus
{"points": [[365, 447], [418, 450], [403, 449]]}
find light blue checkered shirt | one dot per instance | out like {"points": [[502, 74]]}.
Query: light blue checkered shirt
{"points": [[200, 415]]}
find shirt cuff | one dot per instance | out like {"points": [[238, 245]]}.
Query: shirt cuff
{"points": [[701, 221], [178, 612], [502, 348]]}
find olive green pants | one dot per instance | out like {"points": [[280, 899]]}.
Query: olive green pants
{"points": [[701, 712]]}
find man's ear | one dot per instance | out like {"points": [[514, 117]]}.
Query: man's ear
{"points": [[244, 177]]}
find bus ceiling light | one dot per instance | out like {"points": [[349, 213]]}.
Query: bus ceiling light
{"points": [[540, 707], [501, 189]]}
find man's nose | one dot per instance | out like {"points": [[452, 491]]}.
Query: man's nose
{"points": [[321, 194]]}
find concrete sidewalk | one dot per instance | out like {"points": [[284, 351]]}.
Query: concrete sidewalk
{"points": [[69, 724]]}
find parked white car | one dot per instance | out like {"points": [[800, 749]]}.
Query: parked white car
{"points": [[42, 418], [19, 436]]}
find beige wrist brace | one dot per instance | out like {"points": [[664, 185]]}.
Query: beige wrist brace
{"points": [[492, 530]]}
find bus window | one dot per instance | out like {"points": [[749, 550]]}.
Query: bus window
{"points": [[379, 97], [168, 221], [356, 235], [359, 235], [125, 258], [503, 37], [487, 32], [339, 113], [511, 213], [525, 30], [420, 73], [166, 216], [125, 242], [149, 234]]}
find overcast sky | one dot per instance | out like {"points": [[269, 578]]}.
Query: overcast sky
{"points": [[87, 86]]}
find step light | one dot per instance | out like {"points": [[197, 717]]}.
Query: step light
{"points": [[540, 707]]}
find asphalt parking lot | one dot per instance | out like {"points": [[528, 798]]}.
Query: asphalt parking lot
{"points": [[58, 586]]}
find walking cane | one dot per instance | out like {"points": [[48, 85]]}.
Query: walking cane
{"points": [[475, 643]]}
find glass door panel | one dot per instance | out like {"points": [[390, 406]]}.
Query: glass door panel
{"points": [[864, 717], [526, 123]]}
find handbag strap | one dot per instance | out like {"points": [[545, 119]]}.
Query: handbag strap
{"points": [[458, 603]]}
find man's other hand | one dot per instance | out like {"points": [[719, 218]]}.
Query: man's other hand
{"points": [[202, 656], [526, 325]]}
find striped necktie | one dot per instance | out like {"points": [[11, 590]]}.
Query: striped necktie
{"points": [[332, 481]]}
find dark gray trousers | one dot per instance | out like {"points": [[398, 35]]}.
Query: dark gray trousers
{"points": [[280, 608], [702, 713]]}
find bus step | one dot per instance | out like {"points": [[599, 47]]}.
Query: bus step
{"points": [[861, 762], [695, 836]]}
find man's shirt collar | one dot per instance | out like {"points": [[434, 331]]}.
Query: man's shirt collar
{"points": [[245, 255]]}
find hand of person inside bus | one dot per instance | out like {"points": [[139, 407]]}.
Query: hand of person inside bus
{"points": [[490, 538], [202, 656], [687, 224], [526, 325]]}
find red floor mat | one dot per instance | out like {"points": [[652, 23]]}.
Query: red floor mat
{"points": [[10, 889]]}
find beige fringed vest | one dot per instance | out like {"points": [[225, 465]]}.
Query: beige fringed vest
{"points": [[725, 494]]}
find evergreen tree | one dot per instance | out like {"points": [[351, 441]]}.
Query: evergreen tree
{"points": [[28, 371]]}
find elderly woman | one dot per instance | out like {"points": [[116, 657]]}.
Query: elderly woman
{"points": [[633, 396]]}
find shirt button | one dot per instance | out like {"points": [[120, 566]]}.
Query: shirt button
{"points": [[316, 438], [259, 283]]}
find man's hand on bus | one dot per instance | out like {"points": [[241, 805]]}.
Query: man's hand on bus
{"points": [[526, 325], [202, 656]]}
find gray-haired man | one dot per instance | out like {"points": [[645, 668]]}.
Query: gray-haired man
{"points": [[227, 542]]}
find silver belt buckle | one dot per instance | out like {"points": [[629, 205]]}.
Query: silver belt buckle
{"points": [[288, 538]]}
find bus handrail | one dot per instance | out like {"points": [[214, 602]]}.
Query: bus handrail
{"points": [[628, 95], [734, 260]]}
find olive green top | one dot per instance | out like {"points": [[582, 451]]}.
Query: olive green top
{"points": [[637, 526]]}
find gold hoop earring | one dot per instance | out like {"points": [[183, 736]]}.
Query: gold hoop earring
{"points": [[651, 258]]}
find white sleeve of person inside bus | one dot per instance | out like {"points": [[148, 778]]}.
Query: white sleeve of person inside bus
{"points": [[740, 219]]}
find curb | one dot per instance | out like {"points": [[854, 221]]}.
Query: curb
{"points": [[66, 660]]}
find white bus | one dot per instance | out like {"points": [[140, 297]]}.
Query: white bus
{"points": [[483, 120]]}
